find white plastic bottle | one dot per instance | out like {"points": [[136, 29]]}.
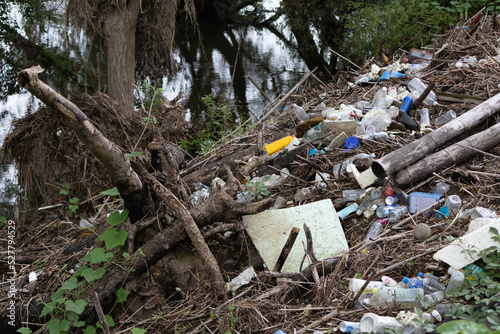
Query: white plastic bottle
{"points": [[355, 284], [379, 99], [349, 327], [300, 113], [388, 296]]}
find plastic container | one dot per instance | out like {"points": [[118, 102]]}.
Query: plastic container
{"points": [[389, 296], [417, 85], [424, 118], [408, 122], [300, 113], [407, 102], [349, 327], [453, 203], [278, 144], [379, 98], [480, 212], [347, 211], [414, 282], [352, 194], [397, 213], [441, 188], [355, 284], [373, 323], [388, 191], [391, 200], [446, 308], [449, 116], [373, 232], [301, 194], [375, 194], [389, 281], [433, 298], [365, 204], [457, 278], [383, 211], [432, 284]]}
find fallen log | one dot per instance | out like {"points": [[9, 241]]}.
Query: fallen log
{"points": [[455, 154], [405, 156]]}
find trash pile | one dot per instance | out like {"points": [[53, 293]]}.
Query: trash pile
{"points": [[379, 180]]}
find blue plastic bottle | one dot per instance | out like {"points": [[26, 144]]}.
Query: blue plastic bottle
{"points": [[415, 282]]}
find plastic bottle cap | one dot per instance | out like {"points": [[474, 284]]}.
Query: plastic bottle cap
{"points": [[420, 274], [374, 290], [406, 280], [351, 143]]}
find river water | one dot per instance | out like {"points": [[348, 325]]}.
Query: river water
{"points": [[261, 56]]}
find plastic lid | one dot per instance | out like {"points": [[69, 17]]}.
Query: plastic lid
{"points": [[406, 280], [374, 290], [351, 142], [420, 274]]}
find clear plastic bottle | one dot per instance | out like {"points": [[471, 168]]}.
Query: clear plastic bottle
{"points": [[355, 284], [433, 298], [417, 85], [397, 213], [352, 194], [365, 204], [449, 116], [446, 308], [441, 188], [432, 284], [373, 323], [300, 113], [453, 203], [373, 232], [415, 282], [389, 296], [379, 98], [457, 278], [424, 118]]}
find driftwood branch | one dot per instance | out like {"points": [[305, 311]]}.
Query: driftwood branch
{"points": [[405, 156], [111, 156]]}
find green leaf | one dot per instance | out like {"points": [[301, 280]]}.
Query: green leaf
{"points": [[64, 192], [47, 309], [73, 317], [111, 192], [56, 326], [57, 295], [77, 306], [147, 119], [462, 327], [78, 323], [109, 320], [117, 217], [70, 284], [98, 255], [80, 269], [121, 295], [126, 255], [89, 330], [113, 238], [138, 331], [24, 330], [90, 275], [73, 207], [74, 200]]}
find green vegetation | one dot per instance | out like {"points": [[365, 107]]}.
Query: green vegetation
{"points": [[218, 120]]}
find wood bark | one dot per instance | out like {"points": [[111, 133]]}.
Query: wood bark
{"points": [[116, 164], [120, 26], [405, 156], [455, 154]]}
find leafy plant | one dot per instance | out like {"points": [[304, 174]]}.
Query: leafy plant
{"points": [[73, 201], [258, 189]]}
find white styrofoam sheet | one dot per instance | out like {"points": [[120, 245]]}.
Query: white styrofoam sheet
{"points": [[458, 254], [269, 232]]}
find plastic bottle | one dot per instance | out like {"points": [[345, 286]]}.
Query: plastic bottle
{"points": [[373, 323], [374, 231], [370, 211], [457, 278], [355, 284], [375, 194], [388, 296], [347, 211], [278, 144], [449, 116], [391, 200], [417, 85], [379, 98], [397, 213], [389, 281], [407, 102], [432, 284], [433, 298], [352, 194], [441, 188], [424, 118], [300, 113], [349, 327], [365, 203], [415, 282], [453, 203], [446, 308], [383, 211]]}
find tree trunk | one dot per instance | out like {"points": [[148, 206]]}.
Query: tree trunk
{"points": [[120, 25]]}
